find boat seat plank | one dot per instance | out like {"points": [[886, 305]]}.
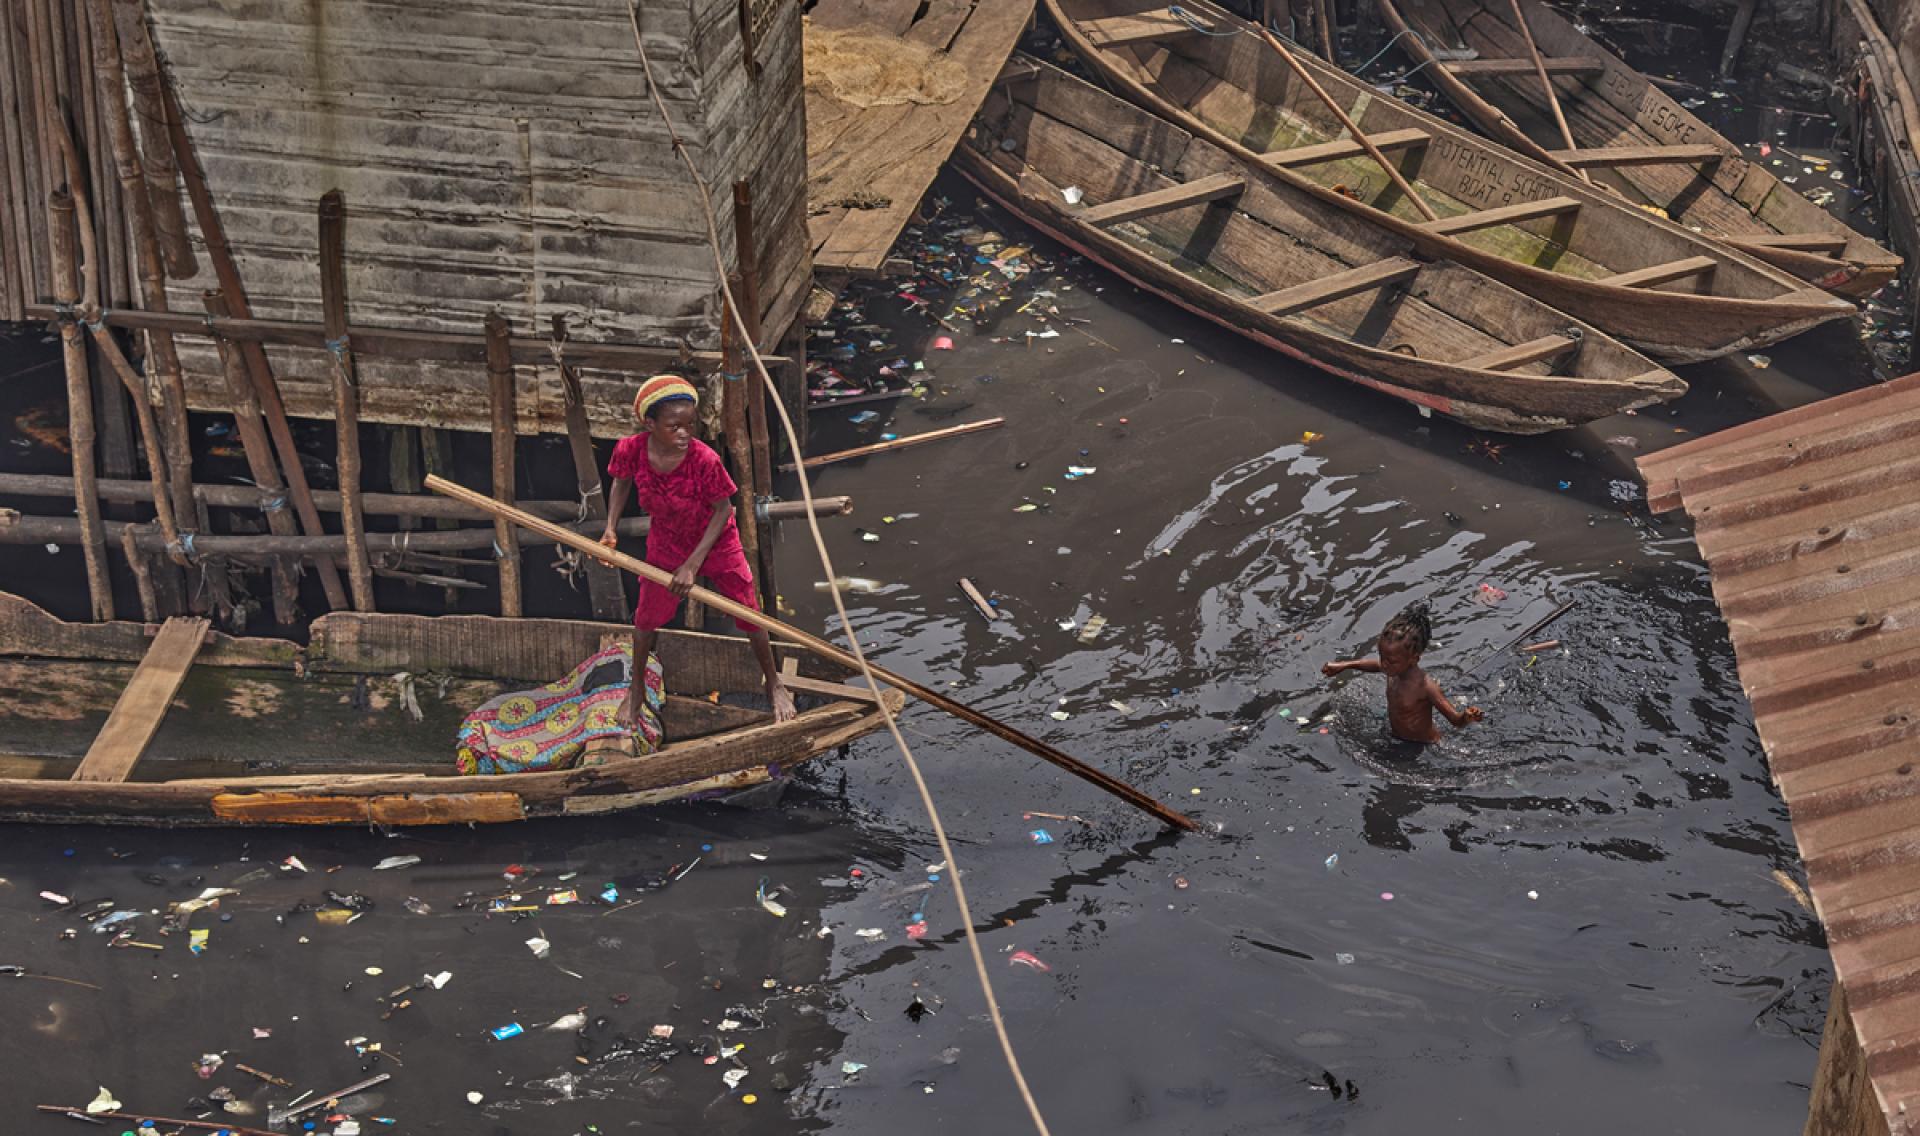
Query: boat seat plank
{"points": [[1286, 301], [1119, 31], [1666, 273], [143, 704], [1803, 242], [1520, 354], [792, 679], [1504, 215], [1611, 157], [1213, 187], [1386, 140], [1496, 68]]}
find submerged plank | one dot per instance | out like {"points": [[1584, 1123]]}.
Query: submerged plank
{"points": [[143, 705]]}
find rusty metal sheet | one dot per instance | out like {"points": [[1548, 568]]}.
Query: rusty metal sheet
{"points": [[1810, 523]]}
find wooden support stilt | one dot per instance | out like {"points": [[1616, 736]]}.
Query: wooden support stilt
{"points": [[162, 357], [251, 352], [159, 164], [734, 395], [73, 351], [603, 583], [142, 575], [259, 454], [143, 705], [746, 240], [506, 542], [1323, 22], [346, 392]]}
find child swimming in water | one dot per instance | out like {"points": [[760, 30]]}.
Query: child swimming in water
{"points": [[679, 481], [1412, 695]]}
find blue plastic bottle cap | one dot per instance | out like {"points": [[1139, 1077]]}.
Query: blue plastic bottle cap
{"points": [[706, 848]]}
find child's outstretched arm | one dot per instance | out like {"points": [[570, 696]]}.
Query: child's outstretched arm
{"points": [[616, 505], [1457, 717], [1370, 666]]}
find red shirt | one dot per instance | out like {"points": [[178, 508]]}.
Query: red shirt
{"points": [[680, 503]]}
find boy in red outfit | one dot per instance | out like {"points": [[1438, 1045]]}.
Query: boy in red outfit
{"points": [[681, 484]]}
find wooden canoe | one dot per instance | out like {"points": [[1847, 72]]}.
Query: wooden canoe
{"points": [[1227, 240], [266, 731], [1651, 283], [1628, 131]]}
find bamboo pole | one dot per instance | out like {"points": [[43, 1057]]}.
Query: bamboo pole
{"points": [[22, 189], [346, 392], [142, 575], [899, 443], [609, 599], [73, 350], [1353, 128], [1546, 83], [746, 239], [733, 415], [252, 353], [160, 164], [162, 356], [372, 504], [258, 451], [819, 647], [1323, 18], [506, 542]]}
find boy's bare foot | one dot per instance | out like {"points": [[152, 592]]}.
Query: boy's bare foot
{"points": [[782, 699]]}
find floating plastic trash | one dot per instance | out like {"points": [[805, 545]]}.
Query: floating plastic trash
{"points": [[1028, 960], [1090, 630], [863, 416], [393, 862], [1076, 472], [511, 1029], [1040, 836]]}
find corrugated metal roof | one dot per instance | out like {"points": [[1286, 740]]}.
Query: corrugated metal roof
{"points": [[1810, 522]]}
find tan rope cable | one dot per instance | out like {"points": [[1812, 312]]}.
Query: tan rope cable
{"points": [[705, 198]]}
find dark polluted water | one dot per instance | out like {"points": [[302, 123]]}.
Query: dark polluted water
{"points": [[1565, 919]]}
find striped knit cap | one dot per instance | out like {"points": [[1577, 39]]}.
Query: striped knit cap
{"points": [[659, 389]]}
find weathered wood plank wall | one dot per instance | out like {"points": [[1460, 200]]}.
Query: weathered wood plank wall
{"points": [[496, 155]]}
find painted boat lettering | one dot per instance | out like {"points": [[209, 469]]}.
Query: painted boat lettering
{"points": [[1652, 108]]}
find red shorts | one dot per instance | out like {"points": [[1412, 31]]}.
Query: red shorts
{"points": [[725, 571]]}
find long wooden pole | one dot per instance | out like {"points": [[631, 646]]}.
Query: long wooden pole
{"points": [[1546, 83], [603, 583], [500, 401], [259, 454], [227, 272], [1392, 171], [86, 496], [346, 392], [818, 646], [733, 419], [899, 443]]}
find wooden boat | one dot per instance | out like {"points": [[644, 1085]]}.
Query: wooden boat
{"points": [[1648, 282], [1226, 239], [266, 731], [1630, 134]]}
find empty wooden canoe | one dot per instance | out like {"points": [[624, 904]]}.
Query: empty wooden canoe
{"points": [[266, 731], [1630, 134], [1653, 284], [1224, 238]]}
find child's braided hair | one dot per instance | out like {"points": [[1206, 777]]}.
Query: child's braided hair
{"points": [[1413, 626]]}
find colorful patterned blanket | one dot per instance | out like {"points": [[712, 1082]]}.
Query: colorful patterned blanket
{"points": [[555, 726]]}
